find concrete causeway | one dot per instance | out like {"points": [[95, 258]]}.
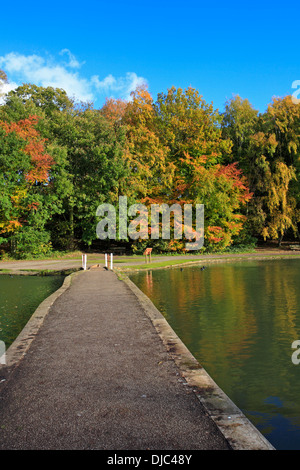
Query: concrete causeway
{"points": [[97, 367]]}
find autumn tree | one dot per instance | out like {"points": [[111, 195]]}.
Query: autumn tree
{"points": [[283, 119], [3, 76], [25, 168], [150, 172], [266, 147], [273, 210], [87, 149], [114, 109], [191, 129]]}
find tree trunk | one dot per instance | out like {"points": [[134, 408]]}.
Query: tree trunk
{"points": [[280, 240]]}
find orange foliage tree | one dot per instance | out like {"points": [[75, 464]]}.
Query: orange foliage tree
{"points": [[25, 168], [150, 171], [175, 153], [191, 129]]}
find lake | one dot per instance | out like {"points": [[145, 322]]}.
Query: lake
{"points": [[239, 320], [19, 298]]}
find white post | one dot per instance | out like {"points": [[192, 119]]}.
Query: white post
{"points": [[111, 261], [106, 260], [84, 261]]}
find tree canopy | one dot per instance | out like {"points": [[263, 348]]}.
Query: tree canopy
{"points": [[59, 160]]}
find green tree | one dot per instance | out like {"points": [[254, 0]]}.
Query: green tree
{"points": [[240, 122], [93, 166], [47, 99]]}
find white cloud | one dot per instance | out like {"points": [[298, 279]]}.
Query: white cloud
{"points": [[44, 72], [133, 81], [73, 62], [47, 71], [105, 84], [122, 85], [17, 63], [6, 88]]}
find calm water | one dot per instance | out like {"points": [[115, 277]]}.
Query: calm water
{"points": [[19, 297], [239, 320]]}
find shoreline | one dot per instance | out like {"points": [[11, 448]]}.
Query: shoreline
{"points": [[132, 263], [225, 259]]}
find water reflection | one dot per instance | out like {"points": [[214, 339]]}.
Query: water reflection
{"points": [[19, 297], [239, 320]]}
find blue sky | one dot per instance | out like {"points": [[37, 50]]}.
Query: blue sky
{"points": [[95, 49]]}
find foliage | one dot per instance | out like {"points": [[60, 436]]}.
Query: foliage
{"points": [[59, 160], [47, 99], [25, 167], [146, 156], [93, 168], [191, 129], [240, 122], [267, 148]]}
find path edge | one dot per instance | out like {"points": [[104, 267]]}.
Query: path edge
{"points": [[237, 429]]}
